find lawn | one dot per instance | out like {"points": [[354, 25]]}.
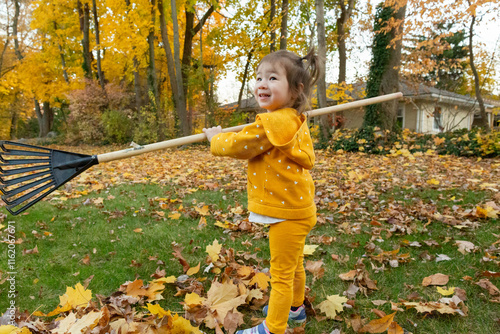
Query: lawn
{"points": [[385, 223]]}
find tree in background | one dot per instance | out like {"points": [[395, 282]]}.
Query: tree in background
{"points": [[383, 77]]}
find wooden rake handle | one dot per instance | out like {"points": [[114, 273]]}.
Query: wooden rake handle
{"points": [[130, 152]]}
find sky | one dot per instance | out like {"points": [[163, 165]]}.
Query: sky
{"points": [[488, 32]]}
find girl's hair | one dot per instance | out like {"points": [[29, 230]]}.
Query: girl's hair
{"points": [[299, 70]]}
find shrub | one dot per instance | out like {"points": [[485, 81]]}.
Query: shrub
{"points": [[145, 127], [461, 142], [87, 105], [117, 126]]}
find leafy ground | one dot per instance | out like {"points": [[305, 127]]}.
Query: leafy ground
{"points": [[404, 243]]}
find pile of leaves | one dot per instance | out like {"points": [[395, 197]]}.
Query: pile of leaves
{"points": [[466, 143]]}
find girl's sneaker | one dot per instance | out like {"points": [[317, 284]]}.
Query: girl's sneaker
{"points": [[298, 316], [260, 329]]}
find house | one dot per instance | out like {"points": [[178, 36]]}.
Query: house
{"points": [[423, 109]]}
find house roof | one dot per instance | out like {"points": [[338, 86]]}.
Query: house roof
{"points": [[409, 89]]}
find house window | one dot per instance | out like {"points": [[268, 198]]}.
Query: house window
{"points": [[400, 118], [438, 122]]}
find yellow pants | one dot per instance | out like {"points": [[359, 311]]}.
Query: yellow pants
{"points": [[288, 277]]}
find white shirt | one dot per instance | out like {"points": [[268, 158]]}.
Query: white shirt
{"points": [[256, 218]]}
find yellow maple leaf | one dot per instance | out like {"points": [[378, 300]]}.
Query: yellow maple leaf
{"points": [[169, 279], [156, 309], [244, 271], [9, 329], [213, 250], [203, 211], [174, 216], [193, 270], [332, 305], [445, 292], [433, 182], [181, 326], [193, 299], [77, 297], [262, 281], [309, 249]]}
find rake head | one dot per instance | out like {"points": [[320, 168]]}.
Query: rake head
{"points": [[29, 173]]}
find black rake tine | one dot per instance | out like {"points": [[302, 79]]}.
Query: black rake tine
{"points": [[22, 161], [25, 187], [23, 178], [25, 153], [10, 172], [29, 195]]}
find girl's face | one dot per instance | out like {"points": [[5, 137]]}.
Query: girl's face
{"points": [[271, 89]]}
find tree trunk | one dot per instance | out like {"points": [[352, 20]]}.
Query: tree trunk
{"points": [[272, 47], [390, 78], [84, 13], [321, 84], [14, 29], [100, 74], [63, 60], [483, 122], [284, 24], [152, 78], [45, 124], [168, 51], [189, 34], [180, 99], [345, 15], [245, 77], [45, 119], [137, 78]]}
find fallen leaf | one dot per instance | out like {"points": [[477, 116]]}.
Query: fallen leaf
{"points": [[332, 305], [445, 292], [436, 279], [262, 281], [213, 250], [309, 249], [378, 325], [193, 270], [77, 297]]}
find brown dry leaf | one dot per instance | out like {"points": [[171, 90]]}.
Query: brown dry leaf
{"points": [[316, 268], [436, 279], [135, 288], [349, 276], [394, 328], [222, 298], [232, 321], [177, 254], [465, 247], [429, 307], [86, 260], [486, 284], [378, 325]]}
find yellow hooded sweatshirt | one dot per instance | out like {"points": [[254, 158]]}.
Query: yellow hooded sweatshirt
{"points": [[280, 153]]}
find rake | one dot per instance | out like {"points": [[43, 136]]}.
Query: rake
{"points": [[29, 173]]}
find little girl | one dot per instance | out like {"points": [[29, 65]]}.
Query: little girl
{"points": [[280, 153]]}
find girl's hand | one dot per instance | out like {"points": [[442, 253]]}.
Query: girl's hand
{"points": [[210, 132]]}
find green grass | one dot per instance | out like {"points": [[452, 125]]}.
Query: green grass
{"points": [[106, 234]]}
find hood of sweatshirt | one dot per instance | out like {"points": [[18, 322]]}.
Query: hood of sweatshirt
{"points": [[289, 133]]}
